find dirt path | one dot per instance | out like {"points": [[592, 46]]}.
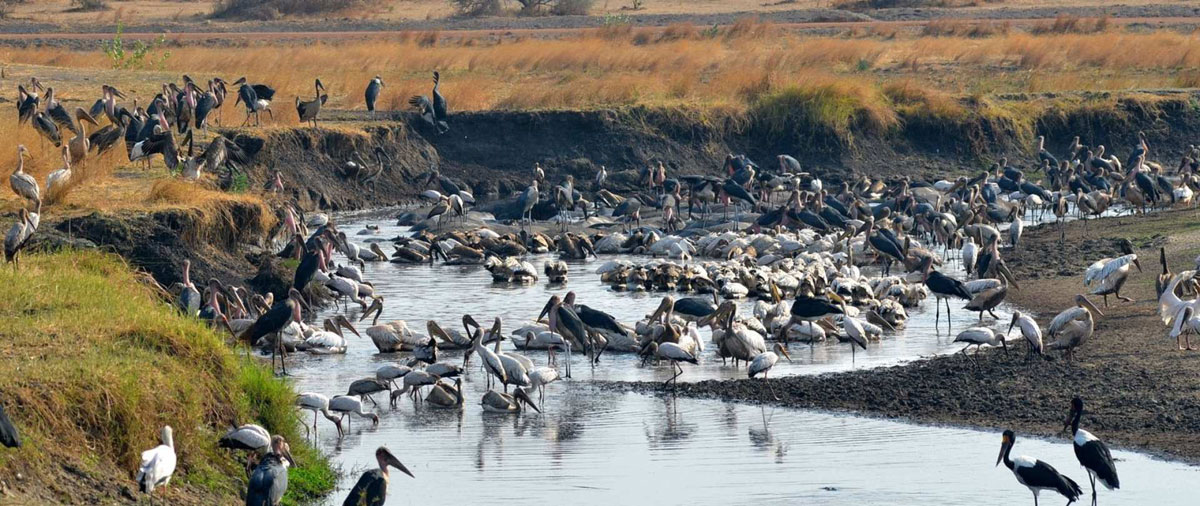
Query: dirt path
{"points": [[1141, 393]]}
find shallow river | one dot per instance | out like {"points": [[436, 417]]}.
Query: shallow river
{"points": [[591, 446]]}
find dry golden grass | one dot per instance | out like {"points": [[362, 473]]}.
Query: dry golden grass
{"points": [[677, 66]]}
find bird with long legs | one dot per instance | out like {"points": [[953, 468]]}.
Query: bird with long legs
{"points": [[372, 487], [943, 288], [308, 110], [269, 480], [674, 353], [317, 403], [1091, 452], [1110, 274], [374, 88], [489, 359], [1035, 474], [1029, 330], [273, 321], [764, 362], [347, 407], [22, 183], [257, 98], [977, 337], [1073, 327]]}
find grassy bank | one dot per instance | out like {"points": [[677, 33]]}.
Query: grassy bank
{"points": [[93, 364]]}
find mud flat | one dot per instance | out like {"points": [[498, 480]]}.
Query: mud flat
{"points": [[1140, 391]]}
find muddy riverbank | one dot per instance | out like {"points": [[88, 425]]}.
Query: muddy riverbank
{"points": [[1140, 392]]}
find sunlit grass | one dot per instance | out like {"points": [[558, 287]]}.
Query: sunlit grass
{"points": [[94, 364]]}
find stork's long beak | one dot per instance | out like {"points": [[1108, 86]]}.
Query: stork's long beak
{"points": [[1011, 324], [1003, 446], [395, 462], [1137, 264], [833, 296], [287, 454], [545, 309], [116, 92]]}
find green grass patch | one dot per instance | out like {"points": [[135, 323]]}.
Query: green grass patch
{"points": [[823, 116], [94, 364]]}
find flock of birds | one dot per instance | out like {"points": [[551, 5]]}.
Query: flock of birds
{"points": [[805, 257]]}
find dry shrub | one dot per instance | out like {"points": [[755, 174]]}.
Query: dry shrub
{"points": [[273, 9], [1066, 23], [962, 28], [428, 39], [1188, 79], [910, 95], [473, 8], [823, 115], [678, 31], [750, 28], [571, 7]]}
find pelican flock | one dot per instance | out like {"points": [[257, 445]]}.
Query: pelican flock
{"points": [[791, 259]]}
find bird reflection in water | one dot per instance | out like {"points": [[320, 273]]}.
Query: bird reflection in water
{"points": [[763, 439], [671, 430]]}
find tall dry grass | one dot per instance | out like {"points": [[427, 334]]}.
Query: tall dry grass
{"points": [[678, 65]]}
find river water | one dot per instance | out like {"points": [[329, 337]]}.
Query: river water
{"points": [[591, 446]]}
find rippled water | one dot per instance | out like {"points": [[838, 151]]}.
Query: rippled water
{"points": [[591, 446]]}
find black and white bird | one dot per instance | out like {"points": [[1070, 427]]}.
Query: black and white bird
{"points": [[944, 287], [257, 98], [1035, 474], [372, 94], [1093, 455], [372, 487]]}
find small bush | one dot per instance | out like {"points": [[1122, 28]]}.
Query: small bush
{"points": [[572, 7], [473, 8], [272, 9], [89, 5]]}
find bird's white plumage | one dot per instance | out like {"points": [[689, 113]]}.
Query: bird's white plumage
{"points": [[1107, 269], [1060, 322], [251, 436], [1083, 437], [158, 463], [977, 335], [313, 401], [763, 362]]}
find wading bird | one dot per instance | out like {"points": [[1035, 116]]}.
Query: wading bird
{"points": [[19, 234], [1110, 274], [1093, 455], [979, 336], [1072, 327], [346, 405], [269, 481], [317, 403], [308, 110], [765, 361], [273, 321], [1035, 474], [158, 464], [496, 402], [1029, 330], [372, 487], [23, 184], [257, 98], [673, 353], [372, 93]]}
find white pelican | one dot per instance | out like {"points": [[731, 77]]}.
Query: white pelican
{"points": [[1091, 452], [349, 405], [1035, 474], [445, 396], [158, 464], [317, 403], [1029, 330], [330, 340], [1072, 327], [1183, 326], [1110, 274]]}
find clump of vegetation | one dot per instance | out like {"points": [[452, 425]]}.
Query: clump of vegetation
{"points": [[824, 116], [273, 9], [473, 8], [94, 363], [89, 5], [1065, 23], [135, 56]]}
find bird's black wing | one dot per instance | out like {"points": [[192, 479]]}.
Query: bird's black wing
{"points": [[1044, 475], [264, 92], [8, 432], [1095, 456], [363, 492]]}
